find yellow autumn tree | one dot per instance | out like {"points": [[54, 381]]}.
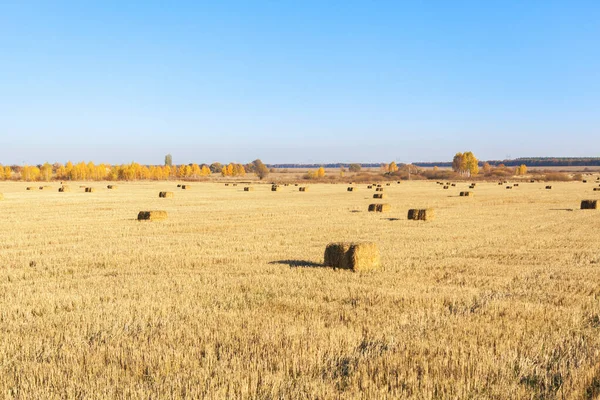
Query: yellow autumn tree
{"points": [[320, 172], [392, 167], [521, 169]]}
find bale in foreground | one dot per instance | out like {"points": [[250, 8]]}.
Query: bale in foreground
{"points": [[589, 204], [357, 257], [165, 194], [152, 215], [426, 214]]}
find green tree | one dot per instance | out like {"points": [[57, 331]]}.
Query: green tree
{"points": [[169, 160]]}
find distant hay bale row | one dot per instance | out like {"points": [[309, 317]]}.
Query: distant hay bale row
{"points": [[379, 195], [421, 214], [303, 189], [248, 189], [165, 194], [380, 207], [152, 215], [358, 257], [589, 204], [90, 190], [466, 194]]}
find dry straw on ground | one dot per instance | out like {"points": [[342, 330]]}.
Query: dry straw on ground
{"points": [[152, 215], [380, 207], [165, 194], [358, 257], [589, 204], [426, 214]]}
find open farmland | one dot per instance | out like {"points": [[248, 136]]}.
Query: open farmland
{"points": [[497, 297]]}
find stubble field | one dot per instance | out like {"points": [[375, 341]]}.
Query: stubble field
{"points": [[498, 297]]}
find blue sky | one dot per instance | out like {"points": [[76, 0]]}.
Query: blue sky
{"points": [[297, 81]]}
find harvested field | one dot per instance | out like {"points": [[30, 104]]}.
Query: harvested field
{"points": [[229, 298]]}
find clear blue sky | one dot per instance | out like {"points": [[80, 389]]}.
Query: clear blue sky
{"points": [[297, 81]]}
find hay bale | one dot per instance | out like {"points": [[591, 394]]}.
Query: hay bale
{"points": [[227, 184], [509, 187], [358, 257], [515, 184], [64, 189], [388, 184], [379, 189], [380, 207], [446, 187], [473, 184], [597, 189], [30, 188], [275, 188], [152, 215], [303, 189], [378, 186], [500, 183], [399, 182], [248, 189], [350, 189], [369, 186], [45, 187], [286, 184], [179, 185], [471, 187], [112, 187], [90, 190], [584, 181], [548, 187], [589, 204], [454, 184], [235, 184], [379, 196], [165, 195], [466, 194], [532, 181], [186, 187], [426, 214]]}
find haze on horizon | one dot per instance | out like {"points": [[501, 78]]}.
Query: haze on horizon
{"points": [[289, 82]]}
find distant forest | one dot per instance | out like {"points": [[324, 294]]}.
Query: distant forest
{"points": [[529, 161]]}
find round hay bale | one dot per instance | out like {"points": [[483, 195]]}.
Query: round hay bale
{"points": [[369, 186], [379, 195], [589, 204], [165, 195], [466, 194], [152, 215], [30, 188], [358, 257], [90, 190], [111, 187], [303, 189], [186, 187], [548, 187], [446, 187], [380, 207], [379, 189], [64, 189], [350, 189], [426, 214], [248, 189]]}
